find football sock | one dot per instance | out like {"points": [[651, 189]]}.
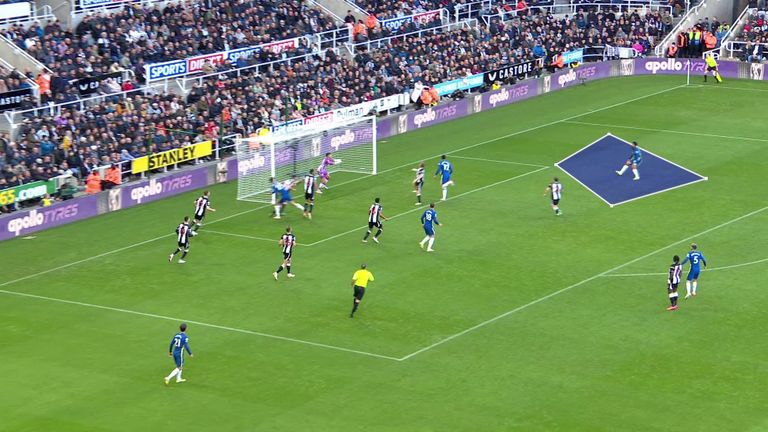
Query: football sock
{"points": [[674, 300], [277, 210], [175, 252], [323, 186], [288, 268], [695, 285], [418, 198], [426, 239], [634, 171], [279, 269], [431, 242], [299, 206], [311, 207], [378, 233], [688, 287], [173, 374], [355, 305], [367, 234], [178, 377], [623, 169], [184, 254], [445, 192], [705, 77]]}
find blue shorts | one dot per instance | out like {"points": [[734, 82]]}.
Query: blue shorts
{"points": [[446, 179], [285, 199], [430, 231], [634, 162], [178, 358], [693, 274]]}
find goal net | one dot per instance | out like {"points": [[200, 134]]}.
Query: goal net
{"points": [[282, 155]]}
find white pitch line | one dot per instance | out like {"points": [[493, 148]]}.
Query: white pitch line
{"points": [[570, 287], [421, 208], [722, 87], [202, 324], [705, 270], [498, 161], [702, 134], [243, 236]]}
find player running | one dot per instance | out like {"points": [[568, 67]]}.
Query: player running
{"points": [[375, 217], [322, 171], [696, 258], [183, 233], [287, 242], [445, 170], [310, 187], [359, 282], [634, 160], [555, 189], [202, 205], [179, 344], [418, 182], [427, 220], [673, 279], [712, 67], [285, 196]]}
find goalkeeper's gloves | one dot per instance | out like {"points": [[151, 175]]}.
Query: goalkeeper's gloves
{"points": [[338, 161]]}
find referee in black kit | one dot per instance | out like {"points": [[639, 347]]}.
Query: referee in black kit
{"points": [[359, 282]]}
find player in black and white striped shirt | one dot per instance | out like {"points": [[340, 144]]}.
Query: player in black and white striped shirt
{"points": [[673, 279], [310, 187], [375, 217], [201, 205], [183, 233], [286, 242], [418, 182], [555, 189]]}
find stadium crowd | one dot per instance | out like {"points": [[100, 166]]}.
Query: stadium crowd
{"points": [[76, 140], [755, 33]]}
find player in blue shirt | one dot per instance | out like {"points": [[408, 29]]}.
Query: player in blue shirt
{"points": [[282, 194], [179, 343], [696, 258], [634, 160], [444, 169], [427, 220], [276, 194]]}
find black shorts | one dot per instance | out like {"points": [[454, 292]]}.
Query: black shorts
{"points": [[287, 255], [359, 292], [711, 68], [672, 287], [309, 196], [556, 201], [184, 245], [375, 225], [199, 218]]}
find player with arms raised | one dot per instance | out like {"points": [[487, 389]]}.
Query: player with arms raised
{"points": [[444, 170], [310, 187], [428, 220], [183, 232], [555, 189], [673, 279], [418, 182], [696, 258], [322, 171], [374, 220], [634, 160], [179, 344], [286, 242], [202, 204]]}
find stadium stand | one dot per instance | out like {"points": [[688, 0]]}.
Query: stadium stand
{"points": [[755, 34], [77, 138]]}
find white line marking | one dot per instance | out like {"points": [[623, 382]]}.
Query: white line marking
{"points": [[422, 208], [722, 87], [570, 287], [498, 161], [243, 236], [668, 131], [202, 324], [705, 270], [661, 191]]}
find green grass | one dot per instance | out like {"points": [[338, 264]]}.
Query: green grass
{"points": [[600, 354]]}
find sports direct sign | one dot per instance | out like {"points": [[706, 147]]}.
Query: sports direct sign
{"points": [[195, 64], [394, 24]]}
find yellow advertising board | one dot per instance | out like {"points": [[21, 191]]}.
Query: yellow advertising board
{"points": [[171, 157]]}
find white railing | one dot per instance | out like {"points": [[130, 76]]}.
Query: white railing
{"points": [[378, 43], [727, 43], [42, 13], [688, 20], [17, 50], [570, 9], [32, 83], [732, 49]]}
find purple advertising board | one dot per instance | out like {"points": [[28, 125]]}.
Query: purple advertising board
{"points": [[586, 72], [162, 187], [670, 66], [505, 95], [433, 115], [29, 221]]}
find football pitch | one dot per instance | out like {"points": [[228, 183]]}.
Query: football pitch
{"points": [[520, 320]]}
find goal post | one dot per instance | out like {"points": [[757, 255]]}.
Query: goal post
{"points": [[282, 155]]}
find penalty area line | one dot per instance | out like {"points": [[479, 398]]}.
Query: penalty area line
{"points": [[577, 284], [199, 323]]}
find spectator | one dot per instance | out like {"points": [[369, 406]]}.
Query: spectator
{"points": [[93, 183], [112, 178]]}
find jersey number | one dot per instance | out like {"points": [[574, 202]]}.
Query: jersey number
{"points": [[428, 216], [695, 260], [177, 342]]}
